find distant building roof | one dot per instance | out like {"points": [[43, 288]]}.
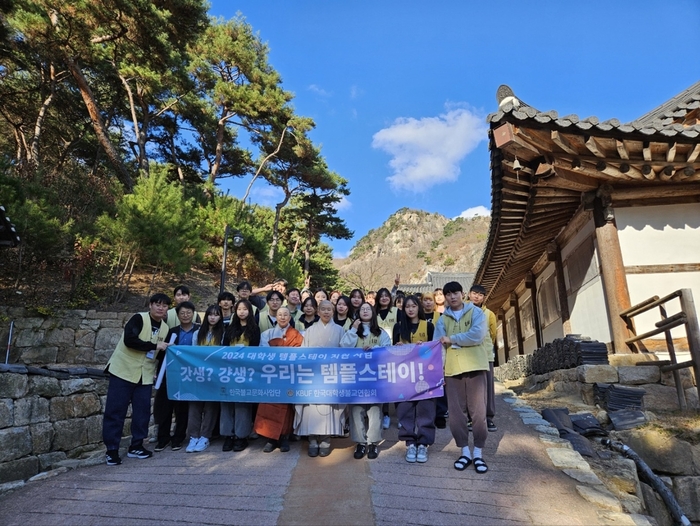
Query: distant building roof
{"points": [[434, 280], [8, 233]]}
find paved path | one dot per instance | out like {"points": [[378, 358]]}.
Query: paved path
{"points": [[521, 488]]}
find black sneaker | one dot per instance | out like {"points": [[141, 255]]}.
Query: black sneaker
{"points": [[360, 450], [162, 444], [372, 451], [440, 422], [176, 445], [239, 444], [469, 425], [228, 444], [139, 452], [112, 457], [490, 425]]}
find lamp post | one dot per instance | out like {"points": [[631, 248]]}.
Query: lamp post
{"points": [[237, 242]]}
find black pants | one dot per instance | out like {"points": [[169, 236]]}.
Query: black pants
{"points": [[163, 410]]}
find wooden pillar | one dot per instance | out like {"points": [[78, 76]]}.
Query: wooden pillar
{"points": [[531, 283], [504, 331], [613, 269], [554, 254], [518, 323]]}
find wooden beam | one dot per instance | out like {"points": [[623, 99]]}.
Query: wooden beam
{"points": [[563, 143], [595, 148], [693, 154], [650, 192], [646, 152], [662, 269], [622, 150], [671, 153]]}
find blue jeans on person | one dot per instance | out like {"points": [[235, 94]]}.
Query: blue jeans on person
{"points": [[120, 394]]}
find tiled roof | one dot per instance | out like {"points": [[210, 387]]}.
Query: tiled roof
{"points": [[666, 120], [436, 280]]}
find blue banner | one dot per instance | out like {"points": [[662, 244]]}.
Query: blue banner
{"points": [[305, 375]]}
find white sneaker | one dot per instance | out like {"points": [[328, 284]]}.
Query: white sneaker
{"points": [[422, 455], [386, 422], [411, 453], [192, 445], [202, 444]]}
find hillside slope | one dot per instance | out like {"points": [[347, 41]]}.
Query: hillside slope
{"points": [[412, 243]]}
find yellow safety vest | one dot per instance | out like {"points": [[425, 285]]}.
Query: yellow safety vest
{"points": [[131, 365]]}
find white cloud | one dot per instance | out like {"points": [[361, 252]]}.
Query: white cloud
{"points": [[343, 204], [341, 255], [474, 212], [319, 90], [267, 195], [355, 91], [427, 151]]}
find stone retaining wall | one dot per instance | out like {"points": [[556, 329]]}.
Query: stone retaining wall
{"points": [[67, 336], [48, 418], [676, 461]]}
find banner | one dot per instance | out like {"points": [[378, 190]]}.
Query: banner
{"points": [[305, 375]]}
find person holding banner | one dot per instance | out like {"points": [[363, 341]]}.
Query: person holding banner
{"points": [[320, 421], [462, 330], [366, 419], [201, 417], [163, 407], [132, 368], [236, 420], [416, 418], [274, 421]]}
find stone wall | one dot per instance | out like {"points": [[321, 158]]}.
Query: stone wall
{"points": [[64, 337], [48, 418], [678, 462]]}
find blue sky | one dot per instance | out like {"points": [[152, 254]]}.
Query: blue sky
{"points": [[400, 90]]}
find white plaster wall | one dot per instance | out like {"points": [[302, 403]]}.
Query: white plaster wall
{"points": [[589, 312], [656, 235], [530, 344], [553, 331], [660, 235]]}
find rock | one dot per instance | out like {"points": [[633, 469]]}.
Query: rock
{"points": [[552, 441], [47, 460], [615, 518], [107, 340], [687, 492], [77, 385], [656, 506], [61, 408], [20, 469], [42, 437], [39, 355], [600, 497], [590, 374], [691, 398], [15, 442], [60, 337], [7, 410], [533, 421], [10, 486], [548, 430], [620, 475], [644, 374], [588, 394], [48, 474], [29, 338], [567, 458], [13, 385], [69, 434], [631, 359], [686, 378], [585, 476], [44, 386], [85, 338], [89, 326], [86, 404], [94, 428], [631, 503], [661, 452], [660, 398], [31, 410]]}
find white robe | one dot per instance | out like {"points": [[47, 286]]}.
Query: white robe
{"points": [[321, 419]]}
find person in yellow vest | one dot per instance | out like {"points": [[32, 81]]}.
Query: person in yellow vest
{"points": [[416, 418], [477, 293], [180, 294], [131, 369], [462, 329], [366, 419], [294, 304]]}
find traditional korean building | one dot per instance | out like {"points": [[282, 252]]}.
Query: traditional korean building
{"points": [[589, 217]]}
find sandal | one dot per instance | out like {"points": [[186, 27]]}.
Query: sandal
{"points": [[462, 463], [480, 466]]}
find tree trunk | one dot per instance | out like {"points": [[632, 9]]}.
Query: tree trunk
{"points": [[98, 125], [276, 228]]}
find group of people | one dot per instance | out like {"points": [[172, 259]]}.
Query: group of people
{"points": [[273, 316]]}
